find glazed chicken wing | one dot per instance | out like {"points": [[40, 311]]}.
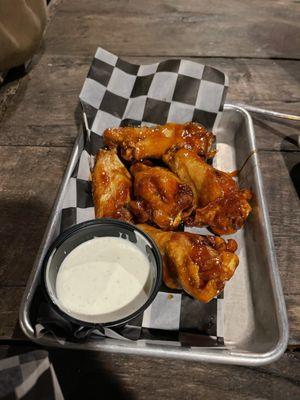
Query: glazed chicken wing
{"points": [[225, 215], [221, 204], [160, 196], [111, 184], [198, 264], [144, 142]]}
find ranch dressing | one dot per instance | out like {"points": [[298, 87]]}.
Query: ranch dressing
{"points": [[103, 279]]}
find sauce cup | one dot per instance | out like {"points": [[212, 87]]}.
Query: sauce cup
{"points": [[84, 232]]}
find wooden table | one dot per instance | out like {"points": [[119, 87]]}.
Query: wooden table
{"points": [[256, 44]]}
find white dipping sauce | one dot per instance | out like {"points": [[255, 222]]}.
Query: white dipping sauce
{"points": [[103, 279]]}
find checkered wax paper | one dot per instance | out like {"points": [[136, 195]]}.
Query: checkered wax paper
{"points": [[117, 93], [29, 376]]}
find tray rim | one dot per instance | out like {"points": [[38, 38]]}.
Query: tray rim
{"points": [[220, 356]]}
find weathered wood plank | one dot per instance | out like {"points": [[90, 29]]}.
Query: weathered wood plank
{"points": [[284, 211], [10, 300], [163, 7], [293, 310], [45, 111], [283, 204], [29, 180], [133, 377], [197, 28], [29, 177], [130, 377]]}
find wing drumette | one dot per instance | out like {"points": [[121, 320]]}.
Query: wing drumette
{"points": [[111, 184], [221, 204]]}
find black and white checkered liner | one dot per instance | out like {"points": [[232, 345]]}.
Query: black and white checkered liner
{"points": [[29, 376], [117, 93]]}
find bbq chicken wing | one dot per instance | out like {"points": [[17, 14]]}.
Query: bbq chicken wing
{"points": [[160, 196], [221, 204], [111, 185], [143, 142], [198, 264], [224, 215]]}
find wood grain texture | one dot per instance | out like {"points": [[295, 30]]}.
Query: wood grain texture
{"points": [[82, 374], [130, 377], [52, 88], [281, 173], [10, 300], [29, 179], [191, 28], [41, 110]]}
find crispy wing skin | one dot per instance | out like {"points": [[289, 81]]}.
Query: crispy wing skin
{"points": [[111, 185], [221, 204], [225, 215], [160, 196], [208, 183], [200, 265], [143, 142], [162, 238]]}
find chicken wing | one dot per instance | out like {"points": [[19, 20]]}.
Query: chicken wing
{"points": [[221, 204], [111, 184], [144, 142], [198, 264], [224, 215], [160, 196]]}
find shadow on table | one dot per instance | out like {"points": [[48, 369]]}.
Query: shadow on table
{"points": [[290, 156], [22, 224], [292, 166], [288, 145], [81, 374], [269, 123]]}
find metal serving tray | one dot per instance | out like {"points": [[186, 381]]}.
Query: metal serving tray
{"points": [[255, 322]]}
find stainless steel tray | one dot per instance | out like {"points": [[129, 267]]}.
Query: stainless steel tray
{"points": [[255, 322]]}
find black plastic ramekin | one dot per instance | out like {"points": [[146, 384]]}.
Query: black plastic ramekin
{"points": [[78, 234]]}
